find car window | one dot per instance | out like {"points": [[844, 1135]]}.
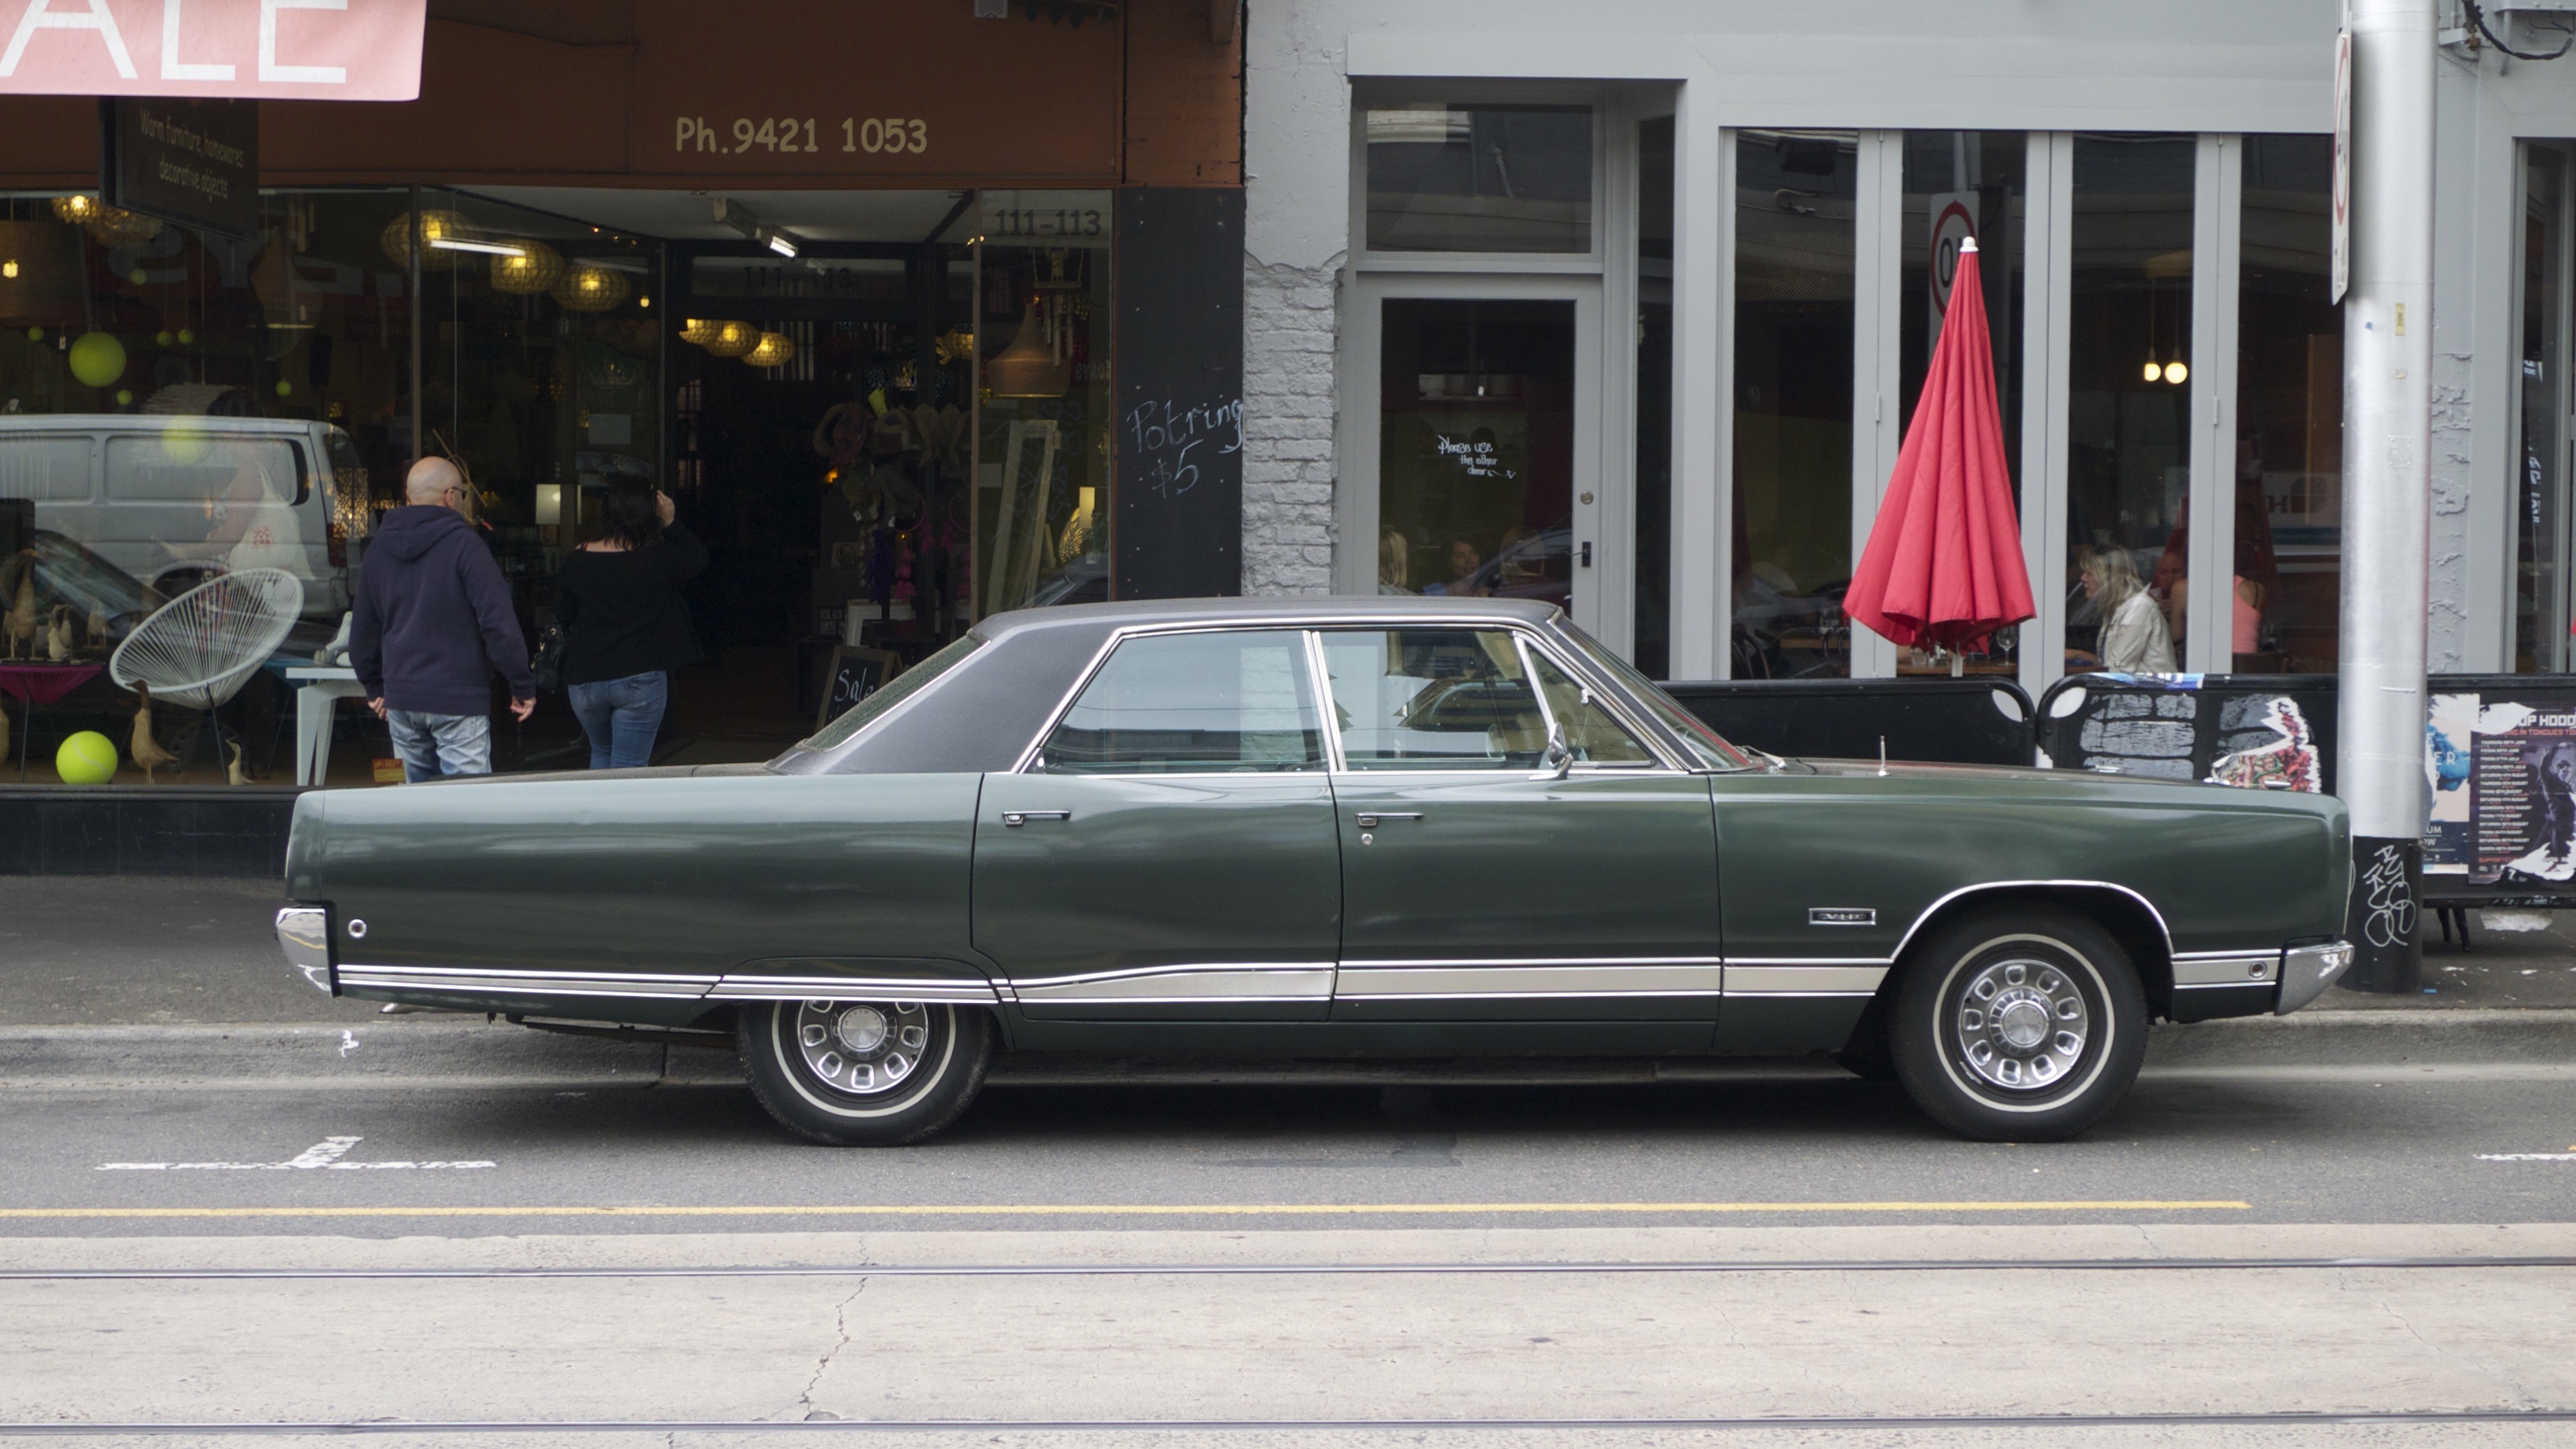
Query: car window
{"points": [[1706, 745], [1433, 699], [180, 466], [43, 469], [1212, 703], [891, 693], [1594, 735]]}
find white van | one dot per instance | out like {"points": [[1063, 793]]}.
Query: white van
{"points": [[176, 500]]}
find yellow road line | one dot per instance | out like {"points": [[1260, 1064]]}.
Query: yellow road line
{"points": [[1059, 1210]]}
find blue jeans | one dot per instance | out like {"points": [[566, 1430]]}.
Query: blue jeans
{"points": [[621, 717], [432, 745]]}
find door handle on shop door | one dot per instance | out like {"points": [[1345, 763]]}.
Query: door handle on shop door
{"points": [[1017, 818]]}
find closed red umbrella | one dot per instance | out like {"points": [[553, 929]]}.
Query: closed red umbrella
{"points": [[1943, 566]]}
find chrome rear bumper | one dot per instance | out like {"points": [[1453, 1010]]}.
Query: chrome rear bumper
{"points": [[2306, 972], [305, 934]]}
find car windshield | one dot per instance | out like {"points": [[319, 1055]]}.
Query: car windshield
{"points": [[893, 692], [1707, 744]]}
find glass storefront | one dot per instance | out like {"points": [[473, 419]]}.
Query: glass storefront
{"points": [[1476, 448], [1653, 565], [2287, 582], [1796, 196], [2128, 401], [2540, 589], [878, 439]]}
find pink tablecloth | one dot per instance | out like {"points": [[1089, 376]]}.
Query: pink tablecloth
{"points": [[45, 683]]}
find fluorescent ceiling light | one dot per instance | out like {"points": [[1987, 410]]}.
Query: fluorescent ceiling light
{"points": [[781, 243], [453, 244]]}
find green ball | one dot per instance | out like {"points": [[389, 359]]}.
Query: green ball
{"points": [[35, 334], [87, 758], [162, 337], [98, 358], [285, 388], [125, 397], [186, 336]]}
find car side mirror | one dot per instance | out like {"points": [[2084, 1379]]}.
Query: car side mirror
{"points": [[1559, 758]]}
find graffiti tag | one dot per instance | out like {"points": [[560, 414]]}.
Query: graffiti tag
{"points": [[2389, 907]]}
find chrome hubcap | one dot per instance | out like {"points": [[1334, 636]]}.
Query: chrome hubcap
{"points": [[862, 1046], [2022, 1024]]}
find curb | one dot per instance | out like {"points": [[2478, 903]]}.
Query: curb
{"points": [[464, 1053]]}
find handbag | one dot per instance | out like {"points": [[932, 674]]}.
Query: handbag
{"points": [[547, 662]]}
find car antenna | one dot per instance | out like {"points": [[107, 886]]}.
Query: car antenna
{"points": [[1882, 756]]}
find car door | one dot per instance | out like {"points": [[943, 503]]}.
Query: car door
{"points": [[1169, 852], [1479, 883]]}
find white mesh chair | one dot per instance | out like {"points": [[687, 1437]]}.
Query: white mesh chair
{"points": [[197, 650]]}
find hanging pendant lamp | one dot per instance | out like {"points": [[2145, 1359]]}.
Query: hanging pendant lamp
{"points": [[1028, 367]]}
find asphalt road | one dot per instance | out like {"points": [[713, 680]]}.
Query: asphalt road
{"points": [[1820, 1254], [2333, 1145]]}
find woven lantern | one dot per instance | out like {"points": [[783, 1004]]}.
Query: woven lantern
{"points": [[588, 288], [534, 269], [733, 339], [774, 350], [396, 239], [696, 331]]}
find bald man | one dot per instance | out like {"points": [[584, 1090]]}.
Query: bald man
{"points": [[431, 625]]}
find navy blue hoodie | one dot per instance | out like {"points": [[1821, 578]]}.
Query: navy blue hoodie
{"points": [[432, 609]]}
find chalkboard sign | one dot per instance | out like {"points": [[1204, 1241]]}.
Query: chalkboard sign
{"points": [[852, 676], [1179, 416]]}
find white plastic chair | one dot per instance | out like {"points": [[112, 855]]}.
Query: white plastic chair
{"points": [[197, 650]]}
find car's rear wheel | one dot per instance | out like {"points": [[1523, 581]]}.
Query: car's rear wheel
{"points": [[864, 1073], [2018, 1026]]}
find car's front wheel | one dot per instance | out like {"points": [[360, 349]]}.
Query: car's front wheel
{"points": [[864, 1073], [2018, 1026]]}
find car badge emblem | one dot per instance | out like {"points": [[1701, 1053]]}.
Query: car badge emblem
{"points": [[1842, 915]]}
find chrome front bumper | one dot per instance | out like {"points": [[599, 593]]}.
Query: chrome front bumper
{"points": [[2306, 972], [304, 932]]}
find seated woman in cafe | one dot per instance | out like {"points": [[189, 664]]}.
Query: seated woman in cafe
{"points": [[2134, 640]]}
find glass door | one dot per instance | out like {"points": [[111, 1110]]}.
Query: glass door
{"points": [[1485, 441]]}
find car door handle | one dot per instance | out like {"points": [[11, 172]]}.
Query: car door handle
{"points": [[1017, 818], [1370, 820]]}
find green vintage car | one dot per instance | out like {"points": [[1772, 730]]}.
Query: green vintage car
{"points": [[1388, 826]]}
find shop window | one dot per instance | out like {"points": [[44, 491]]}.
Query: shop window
{"points": [[2540, 585], [1433, 699], [2128, 401], [1042, 503], [1653, 564], [1476, 449], [2286, 585], [1193, 704], [1795, 199], [1479, 178], [1961, 184]]}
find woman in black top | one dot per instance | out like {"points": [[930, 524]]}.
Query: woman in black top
{"points": [[618, 600]]}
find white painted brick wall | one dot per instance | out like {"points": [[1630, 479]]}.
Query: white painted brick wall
{"points": [[1290, 395]]}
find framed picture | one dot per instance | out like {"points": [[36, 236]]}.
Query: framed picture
{"points": [[852, 675]]}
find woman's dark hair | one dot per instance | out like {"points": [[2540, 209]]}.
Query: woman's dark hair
{"points": [[631, 514]]}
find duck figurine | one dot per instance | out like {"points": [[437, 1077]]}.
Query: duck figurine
{"points": [[233, 771], [21, 620], [58, 635], [148, 754], [97, 634]]}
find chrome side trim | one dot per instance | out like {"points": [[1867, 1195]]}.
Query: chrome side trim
{"points": [[304, 932], [494, 981], [1194, 982], [2306, 971], [1933, 909], [1615, 976], [2226, 968], [1843, 979], [853, 988]]}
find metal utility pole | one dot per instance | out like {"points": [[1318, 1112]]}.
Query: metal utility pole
{"points": [[2387, 430]]}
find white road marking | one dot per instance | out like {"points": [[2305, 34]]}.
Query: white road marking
{"points": [[325, 1154], [2527, 1157], [348, 1042]]}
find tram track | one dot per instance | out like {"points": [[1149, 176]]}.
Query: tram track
{"points": [[1290, 1270], [1857, 1423]]}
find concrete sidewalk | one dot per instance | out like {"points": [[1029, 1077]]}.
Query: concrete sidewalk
{"points": [[110, 981]]}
